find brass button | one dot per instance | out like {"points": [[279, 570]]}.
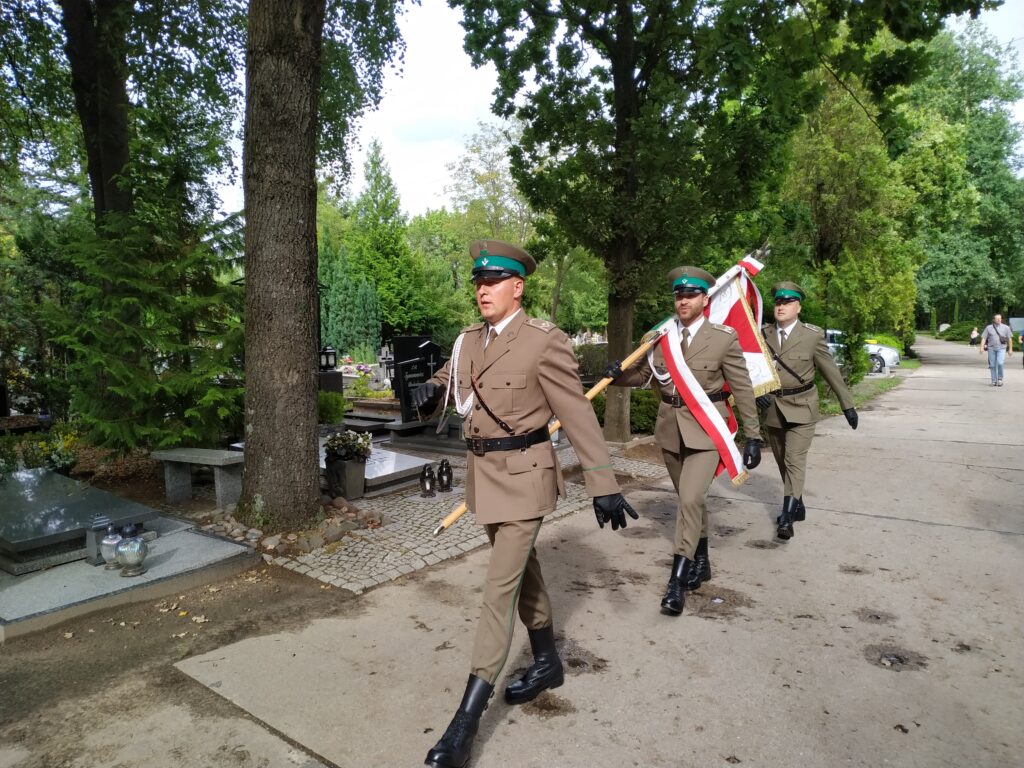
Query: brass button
{"points": [[508, 383], [535, 463], [478, 407], [476, 429]]}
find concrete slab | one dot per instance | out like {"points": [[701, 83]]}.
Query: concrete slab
{"points": [[886, 633], [179, 558]]}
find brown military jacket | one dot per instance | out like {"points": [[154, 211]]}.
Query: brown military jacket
{"points": [[715, 358], [527, 375], [805, 352]]}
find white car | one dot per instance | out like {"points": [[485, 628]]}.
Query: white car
{"points": [[880, 356]]}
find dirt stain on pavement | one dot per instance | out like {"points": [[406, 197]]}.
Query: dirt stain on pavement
{"points": [[548, 705], [607, 579], [873, 616], [895, 658], [855, 570], [711, 602], [727, 530], [440, 591], [763, 544]]}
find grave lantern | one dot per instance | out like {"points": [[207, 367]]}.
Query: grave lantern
{"points": [[444, 476], [328, 358], [427, 481]]}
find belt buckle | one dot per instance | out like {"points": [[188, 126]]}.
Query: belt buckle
{"points": [[677, 400], [476, 445]]}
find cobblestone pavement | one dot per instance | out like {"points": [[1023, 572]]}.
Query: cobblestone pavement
{"points": [[405, 542]]}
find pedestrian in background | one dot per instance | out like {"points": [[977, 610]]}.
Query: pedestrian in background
{"points": [[997, 340], [975, 338]]}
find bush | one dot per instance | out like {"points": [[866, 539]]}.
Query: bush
{"points": [[643, 410], [331, 407], [961, 331]]}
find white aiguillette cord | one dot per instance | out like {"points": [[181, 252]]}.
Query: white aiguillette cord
{"points": [[462, 407]]}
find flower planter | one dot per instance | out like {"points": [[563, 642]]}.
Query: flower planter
{"points": [[346, 478]]}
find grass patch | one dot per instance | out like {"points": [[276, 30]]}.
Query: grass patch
{"points": [[910, 363], [863, 392]]}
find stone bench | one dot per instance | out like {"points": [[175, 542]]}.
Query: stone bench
{"points": [[227, 473]]}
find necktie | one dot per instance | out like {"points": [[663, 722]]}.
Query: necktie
{"points": [[686, 339], [782, 339], [492, 334]]}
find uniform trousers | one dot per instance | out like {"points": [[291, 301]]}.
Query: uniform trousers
{"points": [[513, 579], [691, 472], [790, 445]]}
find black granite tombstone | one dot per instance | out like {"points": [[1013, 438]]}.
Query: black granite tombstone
{"points": [[416, 360], [45, 518]]}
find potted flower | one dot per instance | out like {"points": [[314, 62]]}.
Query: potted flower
{"points": [[60, 450], [345, 455]]}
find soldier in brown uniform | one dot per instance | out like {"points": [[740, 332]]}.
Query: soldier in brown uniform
{"points": [[508, 377], [713, 354], [799, 350]]}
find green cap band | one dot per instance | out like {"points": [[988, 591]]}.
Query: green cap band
{"points": [[690, 282], [487, 261], [785, 293]]}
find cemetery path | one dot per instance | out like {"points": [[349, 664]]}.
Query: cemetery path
{"points": [[887, 632]]}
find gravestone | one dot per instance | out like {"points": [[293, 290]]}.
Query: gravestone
{"points": [[44, 518], [416, 360]]}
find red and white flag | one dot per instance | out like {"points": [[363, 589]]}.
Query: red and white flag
{"points": [[736, 302]]}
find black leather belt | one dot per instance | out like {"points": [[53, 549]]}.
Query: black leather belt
{"points": [[676, 400], [796, 390], [481, 445]]}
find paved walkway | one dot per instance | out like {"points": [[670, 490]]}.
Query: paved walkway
{"points": [[886, 633], [405, 542]]}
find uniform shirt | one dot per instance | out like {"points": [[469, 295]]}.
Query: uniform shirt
{"points": [[501, 326], [805, 354], [996, 336], [527, 375]]}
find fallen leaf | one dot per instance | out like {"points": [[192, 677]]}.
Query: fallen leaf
{"points": [[179, 634], [200, 619], [68, 635], [183, 613], [121, 624]]}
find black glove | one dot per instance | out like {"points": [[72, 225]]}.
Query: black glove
{"points": [[851, 416], [752, 454], [765, 401], [425, 396], [614, 370], [613, 508]]}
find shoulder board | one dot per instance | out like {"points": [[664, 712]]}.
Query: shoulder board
{"points": [[473, 327], [541, 325], [814, 328], [726, 328]]}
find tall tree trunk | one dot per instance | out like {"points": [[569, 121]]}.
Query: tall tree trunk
{"points": [[281, 486], [96, 34], [620, 344]]}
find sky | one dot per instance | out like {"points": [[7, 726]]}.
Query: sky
{"points": [[432, 107]]}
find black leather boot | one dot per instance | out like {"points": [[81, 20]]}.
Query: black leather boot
{"points": [[785, 501], [700, 568], [452, 751], [799, 511], [672, 602], [545, 672], [785, 529]]}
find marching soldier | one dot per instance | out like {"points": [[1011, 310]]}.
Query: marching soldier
{"points": [[799, 351], [508, 376], [712, 353]]}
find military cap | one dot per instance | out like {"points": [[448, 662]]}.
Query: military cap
{"points": [[788, 291], [690, 280], [497, 260]]}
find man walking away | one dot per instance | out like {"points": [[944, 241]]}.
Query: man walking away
{"points": [[997, 340]]}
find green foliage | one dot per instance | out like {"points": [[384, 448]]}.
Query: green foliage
{"points": [[962, 331], [643, 410], [331, 407], [155, 338], [8, 454], [363, 353], [349, 313]]}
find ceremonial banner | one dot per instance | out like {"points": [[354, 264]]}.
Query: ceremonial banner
{"points": [[736, 302], [722, 433]]}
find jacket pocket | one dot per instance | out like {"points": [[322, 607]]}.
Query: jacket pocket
{"points": [[544, 475], [509, 392]]}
